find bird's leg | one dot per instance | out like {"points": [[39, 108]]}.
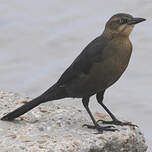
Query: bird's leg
{"points": [[85, 102], [114, 121]]}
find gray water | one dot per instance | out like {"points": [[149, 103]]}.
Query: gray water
{"points": [[39, 39]]}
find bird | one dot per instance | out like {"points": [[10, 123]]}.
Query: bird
{"points": [[101, 63]]}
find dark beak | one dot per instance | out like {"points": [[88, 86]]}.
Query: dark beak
{"points": [[135, 21]]}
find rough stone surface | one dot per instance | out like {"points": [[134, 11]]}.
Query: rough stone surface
{"points": [[57, 128]]}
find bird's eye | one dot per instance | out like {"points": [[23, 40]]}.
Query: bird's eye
{"points": [[123, 21]]}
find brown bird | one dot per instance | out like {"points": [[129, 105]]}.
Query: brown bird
{"points": [[99, 65]]}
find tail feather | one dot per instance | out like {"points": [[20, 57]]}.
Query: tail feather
{"points": [[53, 93], [21, 110]]}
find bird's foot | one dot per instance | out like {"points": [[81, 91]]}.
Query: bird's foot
{"points": [[99, 128], [117, 122]]}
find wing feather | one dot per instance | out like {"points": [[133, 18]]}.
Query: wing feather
{"points": [[82, 64]]}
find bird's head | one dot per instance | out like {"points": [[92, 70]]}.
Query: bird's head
{"points": [[121, 24]]}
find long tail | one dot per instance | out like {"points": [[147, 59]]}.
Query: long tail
{"points": [[53, 93]]}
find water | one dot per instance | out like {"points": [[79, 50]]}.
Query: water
{"points": [[39, 39]]}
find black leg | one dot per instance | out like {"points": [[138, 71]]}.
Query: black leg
{"points": [[115, 121], [85, 102]]}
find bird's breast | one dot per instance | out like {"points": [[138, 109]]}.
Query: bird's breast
{"points": [[115, 60]]}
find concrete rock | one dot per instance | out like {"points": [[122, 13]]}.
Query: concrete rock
{"points": [[57, 128]]}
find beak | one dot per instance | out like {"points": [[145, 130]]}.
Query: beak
{"points": [[135, 21]]}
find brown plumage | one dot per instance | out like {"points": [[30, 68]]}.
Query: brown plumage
{"points": [[98, 66]]}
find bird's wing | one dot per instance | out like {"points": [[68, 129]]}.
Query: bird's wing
{"points": [[83, 63]]}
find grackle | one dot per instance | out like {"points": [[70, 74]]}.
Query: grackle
{"points": [[99, 65]]}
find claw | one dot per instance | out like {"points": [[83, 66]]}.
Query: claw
{"points": [[99, 128], [88, 126], [117, 122]]}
